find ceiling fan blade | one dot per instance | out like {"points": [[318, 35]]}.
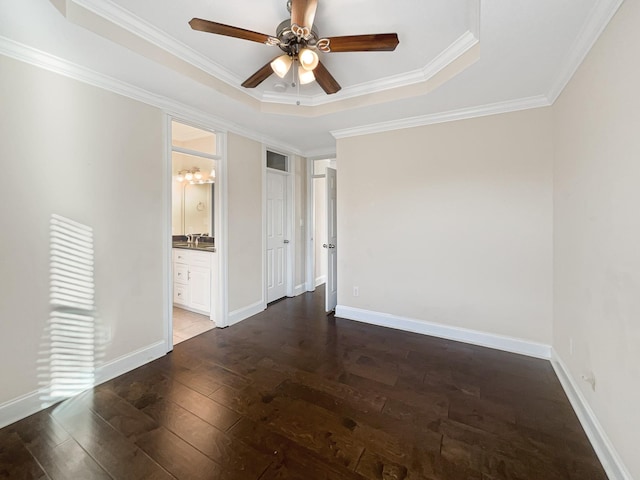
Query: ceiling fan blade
{"points": [[303, 12], [379, 42], [325, 79], [227, 30], [257, 78]]}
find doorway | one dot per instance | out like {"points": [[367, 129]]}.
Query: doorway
{"points": [[322, 254], [195, 225], [278, 211]]}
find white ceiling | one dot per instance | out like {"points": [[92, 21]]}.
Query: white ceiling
{"points": [[456, 58]]}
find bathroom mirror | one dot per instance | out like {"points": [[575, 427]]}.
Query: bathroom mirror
{"points": [[192, 208], [192, 197], [198, 211]]}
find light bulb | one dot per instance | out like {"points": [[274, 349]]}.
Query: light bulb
{"points": [[308, 59], [188, 176], [197, 175], [213, 173], [305, 76], [281, 65], [180, 177]]}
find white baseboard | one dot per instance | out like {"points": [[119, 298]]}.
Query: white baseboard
{"points": [[30, 403], [499, 342], [320, 280], [22, 407], [299, 289], [130, 361], [245, 312], [607, 454]]}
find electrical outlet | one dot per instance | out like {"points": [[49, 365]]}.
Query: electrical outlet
{"points": [[356, 291]]}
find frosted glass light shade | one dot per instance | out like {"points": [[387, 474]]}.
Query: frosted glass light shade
{"points": [[305, 76], [308, 59], [281, 65]]}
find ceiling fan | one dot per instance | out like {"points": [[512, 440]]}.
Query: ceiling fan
{"points": [[299, 41]]}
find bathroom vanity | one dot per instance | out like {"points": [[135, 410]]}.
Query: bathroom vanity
{"points": [[193, 270]]}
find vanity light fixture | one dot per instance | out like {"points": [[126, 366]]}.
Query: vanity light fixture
{"points": [[189, 175], [194, 176]]}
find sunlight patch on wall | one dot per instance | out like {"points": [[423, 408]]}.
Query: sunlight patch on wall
{"points": [[68, 360]]}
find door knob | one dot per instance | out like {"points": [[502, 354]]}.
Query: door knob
{"points": [[324, 245], [285, 241]]}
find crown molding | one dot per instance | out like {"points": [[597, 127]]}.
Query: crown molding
{"points": [[598, 19], [46, 61], [321, 153], [459, 47], [126, 20], [450, 116]]}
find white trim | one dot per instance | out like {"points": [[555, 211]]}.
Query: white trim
{"points": [[598, 19], [454, 51], [245, 312], [289, 175], [299, 289], [483, 339], [309, 230], [322, 154], [126, 20], [320, 280], [38, 58], [130, 361], [30, 403], [130, 22], [221, 300], [606, 452], [291, 225], [450, 116], [167, 248], [23, 406]]}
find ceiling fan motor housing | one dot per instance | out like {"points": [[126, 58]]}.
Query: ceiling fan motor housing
{"points": [[291, 43]]}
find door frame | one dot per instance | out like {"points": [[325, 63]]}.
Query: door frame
{"points": [[219, 275], [310, 230], [289, 218]]}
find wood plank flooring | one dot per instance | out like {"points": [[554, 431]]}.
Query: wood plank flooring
{"points": [[295, 394]]}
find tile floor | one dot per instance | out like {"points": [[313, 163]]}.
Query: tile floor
{"points": [[188, 324]]}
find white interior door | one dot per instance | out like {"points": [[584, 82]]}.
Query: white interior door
{"points": [[331, 295], [276, 236]]}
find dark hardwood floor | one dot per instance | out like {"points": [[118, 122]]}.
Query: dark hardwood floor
{"points": [[293, 393]]}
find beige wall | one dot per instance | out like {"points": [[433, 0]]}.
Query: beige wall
{"points": [[244, 166], [97, 158], [597, 230], [451, 223], [300, 220]]}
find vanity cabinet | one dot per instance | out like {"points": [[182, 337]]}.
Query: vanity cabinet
{"points": [[192, 280]]}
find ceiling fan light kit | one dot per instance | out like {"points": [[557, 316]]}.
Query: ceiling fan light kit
{"points": [[281, 65], [308, 59], [300, 42], [305, 76]]}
